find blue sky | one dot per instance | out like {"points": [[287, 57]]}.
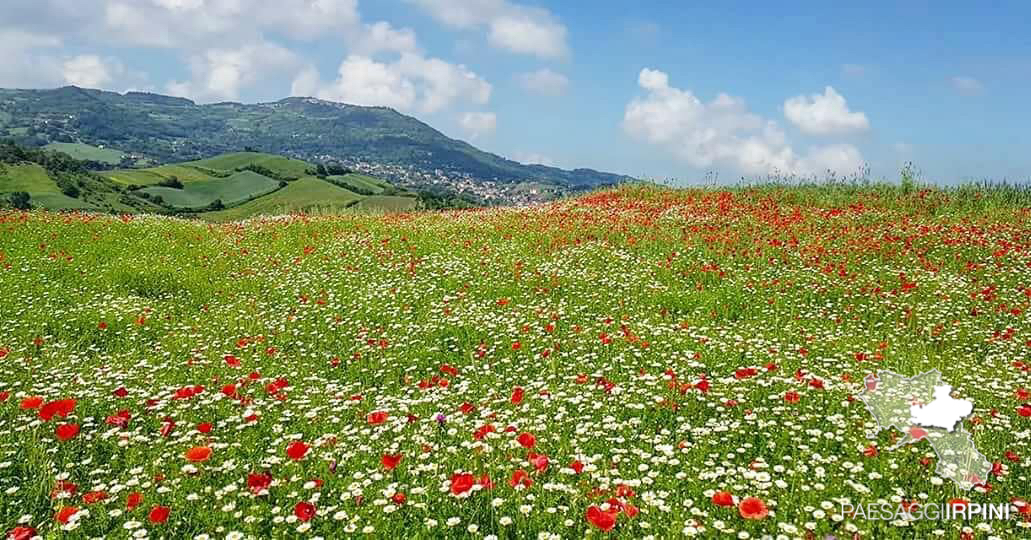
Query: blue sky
{"points": [[662, 89]]}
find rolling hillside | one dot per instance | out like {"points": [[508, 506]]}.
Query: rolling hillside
{"points": [[171, 130], [226, 187]]}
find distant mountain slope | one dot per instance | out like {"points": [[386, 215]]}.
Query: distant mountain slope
{"points": [[169, 129]]}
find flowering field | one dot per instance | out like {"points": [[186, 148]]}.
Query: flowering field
{"points": [[632, 363]]}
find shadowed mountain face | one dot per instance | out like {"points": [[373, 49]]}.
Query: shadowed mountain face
{"points": [[168, 129]]}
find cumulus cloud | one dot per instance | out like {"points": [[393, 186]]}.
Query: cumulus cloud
{"points": [[824, 114], [478, 124], [509, 26], [411, 83], [968, 86], [533, 158], [221, 74], [29, 59], [90, 70], [722, 132], [544, 82]]}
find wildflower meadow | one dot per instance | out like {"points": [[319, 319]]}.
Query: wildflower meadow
{"points": [[637, 363]]}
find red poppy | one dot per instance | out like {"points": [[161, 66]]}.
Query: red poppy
{"points": [[120, 392], [102, 325], [577, 466], [232, 361], [4, 395], [399, 498], [870, 451], [167, 427], [605, 521], [257, 482], [745, 373], [1012, 456], [1024, 410], [198, 454], [65, 514], [448, 369], [482, 432], [917, 432], [467, 408], [539, 461], [204, 427], [517, 395], [516, 346], [66, 432], [158, 514], [630, 510], [21, 532], [304, 511], [376, 418], [92, 497], [133, 500], [33, 402], [520, 478], [722, 498], [752, 508], [229, 390], [390, 461], [461, 483], [296, 450], [119, 419], [816, 383], [792, 397], [527, 440], [61, 407]]}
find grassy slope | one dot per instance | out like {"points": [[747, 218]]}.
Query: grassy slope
{"points": [[307, 194], [34, 180], [361, 181], [239, 187], [280, 164], [88, 152]]}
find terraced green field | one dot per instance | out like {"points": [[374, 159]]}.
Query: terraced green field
{"points": [[306, 194], [88, 152], [279, 164], [361, 182], [239, 187]]}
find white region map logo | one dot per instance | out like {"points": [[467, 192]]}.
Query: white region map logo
{"points": [[922, 407]]}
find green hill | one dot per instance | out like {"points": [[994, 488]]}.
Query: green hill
{"points": [[307, 194], [174, 130], [226, 187]]}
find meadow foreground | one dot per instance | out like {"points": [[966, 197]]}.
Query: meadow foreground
{"points": [[633, 363]]}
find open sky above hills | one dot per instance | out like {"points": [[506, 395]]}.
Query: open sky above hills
{"points": [[652, 88]]}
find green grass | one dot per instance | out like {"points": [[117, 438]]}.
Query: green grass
{"points": [[237, 188], [361, 181], [88, 152], [27, 177], [280, 164], [387, 203], [306, 194]]}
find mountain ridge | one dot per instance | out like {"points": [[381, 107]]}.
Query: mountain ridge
{"points": [[169, 129]]}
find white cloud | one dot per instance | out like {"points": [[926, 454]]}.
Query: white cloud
{"points": [[968, 86], [411, 83], [28, 59], [90, 71], [533, 158], [478, 124], [381, 36], [221, 74], [824, 114], [510, 26], [544, 82], [723, 132]]}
